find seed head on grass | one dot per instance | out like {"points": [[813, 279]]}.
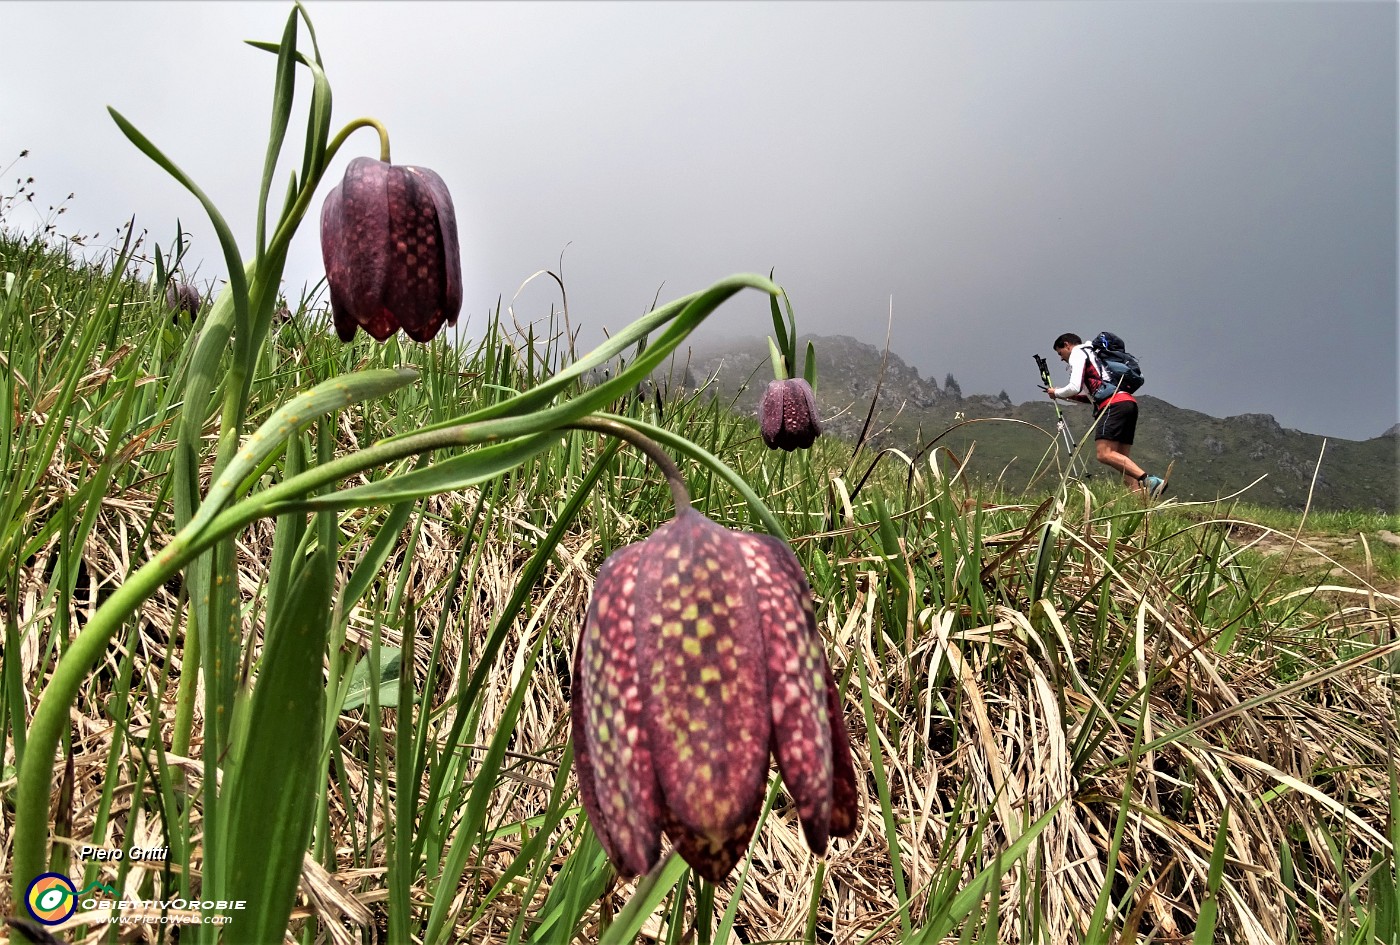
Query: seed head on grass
{"points": [[787, 416], [699, 658], [389, 241]]}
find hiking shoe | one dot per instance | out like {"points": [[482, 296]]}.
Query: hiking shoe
{"points": [[1156, 486]]}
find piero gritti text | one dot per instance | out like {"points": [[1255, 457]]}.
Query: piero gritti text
{"points": [[135, 854]]}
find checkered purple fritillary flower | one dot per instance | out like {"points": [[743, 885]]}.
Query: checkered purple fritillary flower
{"points": [[699, 659], [787, 416], [389, 241]]}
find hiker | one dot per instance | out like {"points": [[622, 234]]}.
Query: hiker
{"points": [[1115, 415]]}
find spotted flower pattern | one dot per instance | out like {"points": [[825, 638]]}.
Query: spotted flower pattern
{"points": [[699, 659], [787, 415], [389, 242]]}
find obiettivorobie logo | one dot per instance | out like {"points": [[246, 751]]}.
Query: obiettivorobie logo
{"points": [[52, 898]]}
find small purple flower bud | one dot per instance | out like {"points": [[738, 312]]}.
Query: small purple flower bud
{"points": [[182, 296], [699, 658], [787, 415], [389, 241]]}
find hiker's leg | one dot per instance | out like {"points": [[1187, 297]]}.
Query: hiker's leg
{"points": [[1130, 479], [1113, 441], [1117, 456]]}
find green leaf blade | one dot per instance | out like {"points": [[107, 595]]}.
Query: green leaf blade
{"points": [[272, 794]]}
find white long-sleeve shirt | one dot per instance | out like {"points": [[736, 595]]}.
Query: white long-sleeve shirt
{"points": [[1078, 386]]}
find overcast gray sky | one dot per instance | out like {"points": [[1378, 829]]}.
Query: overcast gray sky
{"points": [[1216, 182]]}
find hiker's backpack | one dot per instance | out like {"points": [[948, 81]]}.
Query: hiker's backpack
{"points": [[1118, 369]]}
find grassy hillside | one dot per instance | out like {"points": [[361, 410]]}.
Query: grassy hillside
{"points": [[1074, 718]]}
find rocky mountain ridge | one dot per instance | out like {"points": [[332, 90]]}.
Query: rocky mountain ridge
{"points": [[1210, 457]]}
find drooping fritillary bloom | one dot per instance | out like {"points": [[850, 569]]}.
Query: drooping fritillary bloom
{"points": [[181, 296], [787, 415], [389, 241], [699, 659]]}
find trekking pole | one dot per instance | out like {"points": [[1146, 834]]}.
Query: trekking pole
{"points": [[1059, 414]]}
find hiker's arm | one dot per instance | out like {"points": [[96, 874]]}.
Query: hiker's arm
{"points": [[1075, 387]]}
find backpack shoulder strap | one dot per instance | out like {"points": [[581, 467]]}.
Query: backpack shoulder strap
{"points": [[1093, 372]]}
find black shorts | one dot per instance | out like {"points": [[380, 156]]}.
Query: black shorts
{"points": [[1117, 422]]}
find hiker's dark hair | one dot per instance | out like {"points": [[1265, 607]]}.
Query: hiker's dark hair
{"points": [[1068, 338]]}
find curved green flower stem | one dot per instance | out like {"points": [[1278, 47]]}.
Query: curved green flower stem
{"points": [[681, 445], [287, 226], [679, 494], [355, 125], [683, 315], [260, 287]]}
